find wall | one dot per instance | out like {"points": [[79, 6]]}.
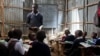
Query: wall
{"points": [[13, 14], [49, 11], [86, 11]]}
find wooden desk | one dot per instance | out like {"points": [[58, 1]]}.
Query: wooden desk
{"points": [[84, 50], [60, 48]]}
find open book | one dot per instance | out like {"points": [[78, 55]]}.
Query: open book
{"points": [[26, 47], [85, 44], [68, 42]]}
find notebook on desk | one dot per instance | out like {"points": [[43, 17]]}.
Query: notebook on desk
{"points": [[68, 42], [85, 44], [26, 47]]}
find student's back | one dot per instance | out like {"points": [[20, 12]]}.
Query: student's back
{"points": [[39, 49], [97, 49], [15, 47], [3, 47], [75, 51], [70, 38], [98, 42], [11, 48], [3, 50]]}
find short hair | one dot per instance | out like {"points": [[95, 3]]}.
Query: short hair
{"points": [[10, 34], [79, 32], [40, 35], [17, 33], [36, 5], [31, 36], [67, 32], [85, 32], [94, 33]]}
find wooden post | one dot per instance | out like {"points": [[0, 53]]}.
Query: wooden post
{"points": [[2, 16], [82, 51], [65, 14]]}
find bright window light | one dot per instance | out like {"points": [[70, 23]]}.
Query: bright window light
{"points": [[23, 0], [75, 18], [33, 1]]}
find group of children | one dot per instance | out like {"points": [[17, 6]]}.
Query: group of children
{"points": [[13, 46], [79, 37]]}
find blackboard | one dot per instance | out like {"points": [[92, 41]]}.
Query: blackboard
{"points": [[49, 13]]}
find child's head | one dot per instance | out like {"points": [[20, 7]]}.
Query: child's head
{"points": [[17, 33], [32, 36]]}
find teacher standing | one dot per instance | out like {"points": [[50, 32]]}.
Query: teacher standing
{"points": [[34, 18]]}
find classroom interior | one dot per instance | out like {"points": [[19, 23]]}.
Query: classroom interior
{"points": [[58, 16]]}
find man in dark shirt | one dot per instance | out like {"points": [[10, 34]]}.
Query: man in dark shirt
{"points": [[34, 18]]}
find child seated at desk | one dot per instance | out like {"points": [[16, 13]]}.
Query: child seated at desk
{"points": [[75, 51], [39, 48]]}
